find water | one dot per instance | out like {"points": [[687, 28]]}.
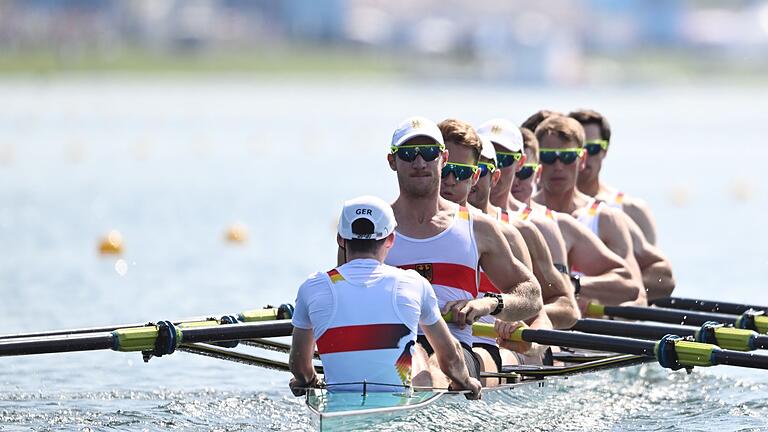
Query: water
{"points": [[172, 163]]}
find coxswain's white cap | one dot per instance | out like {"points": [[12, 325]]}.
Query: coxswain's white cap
{"points": [[416, 126], [372, 208], [487, 150], [504, 133]]}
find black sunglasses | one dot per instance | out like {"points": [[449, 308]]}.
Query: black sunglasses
{"points": [[548, 156]]}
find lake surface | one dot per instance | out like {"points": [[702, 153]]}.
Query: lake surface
{"points": [[172, 163]]}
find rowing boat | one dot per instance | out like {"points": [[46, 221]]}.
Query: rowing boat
{"points": [[355, 410]]}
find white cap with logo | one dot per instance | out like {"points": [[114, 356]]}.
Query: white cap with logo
{"points": [[369, 207], [487, 150], [504, 133], [416, 126]]}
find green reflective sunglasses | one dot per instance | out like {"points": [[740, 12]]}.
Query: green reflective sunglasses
{"points": [[408, 153], [506, 159], [527, 170], [593, 147], [459, 170], [485, 168]]}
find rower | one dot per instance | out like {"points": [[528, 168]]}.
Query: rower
{"points": [[508, 144], [364, 315], [597, 132], [655, 267], [599, 269], [458, 176], [577, 247], [447, 244], [551, 272], [561, 154]]}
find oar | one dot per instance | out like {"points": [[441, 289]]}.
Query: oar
{"points": [[711, 332], [705, 305], [159, 339], [750, 320], [671, 351], [284, 311]]}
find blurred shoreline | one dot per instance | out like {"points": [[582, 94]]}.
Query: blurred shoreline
{"points": [[321, 63]]}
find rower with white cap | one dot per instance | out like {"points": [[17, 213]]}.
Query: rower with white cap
{"points": [[447, 244], [364, 314]]}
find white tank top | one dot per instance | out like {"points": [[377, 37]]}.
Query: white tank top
{"points": [[591, 217], [371, 328], [617, 201], [448, 260]]}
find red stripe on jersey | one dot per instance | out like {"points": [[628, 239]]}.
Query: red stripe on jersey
{"points": [[361, 338], [450, 275], [486, 285]]}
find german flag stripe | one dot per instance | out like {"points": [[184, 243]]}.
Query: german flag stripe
{"points": [[361, 338]]}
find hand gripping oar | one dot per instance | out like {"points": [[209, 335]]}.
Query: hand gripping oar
{"points": [[705, 305], [750, 320], [284, 311], [154, 340], [670, 351], [710, 332]]}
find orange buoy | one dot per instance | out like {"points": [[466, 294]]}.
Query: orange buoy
{"points": [[237, 233], [112, 243]]}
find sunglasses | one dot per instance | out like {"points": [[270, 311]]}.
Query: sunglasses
{"points": [[408, 153], [593, 147], [548, 156], [506, 159], [527, 170], [460, 171], [485, 168]]}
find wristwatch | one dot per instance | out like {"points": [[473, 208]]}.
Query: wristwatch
{"points": [[576, 281], [499, 302]]}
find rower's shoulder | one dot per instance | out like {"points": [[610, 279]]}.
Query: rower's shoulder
{"points": [[633, 204]]}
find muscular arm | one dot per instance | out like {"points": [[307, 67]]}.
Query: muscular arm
{"points": [[553, 237], [521, 291], [556, 291], [517, 244], [448, 352], [641, 214], [300, 358], [654, 266], [606, 276]]}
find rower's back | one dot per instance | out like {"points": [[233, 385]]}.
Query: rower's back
{"points": [[364, 316]]}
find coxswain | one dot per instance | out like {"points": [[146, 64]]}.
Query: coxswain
{"points": [[364, 316]]}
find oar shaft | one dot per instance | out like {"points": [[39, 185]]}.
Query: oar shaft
{"points": [[705, 305], [725, 337], [589, 341], [743, 359], [88, 330], [672, 316], [56, 344], [631, 329], [238, 331]]}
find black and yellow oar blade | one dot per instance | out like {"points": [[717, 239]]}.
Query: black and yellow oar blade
{"points": [[671, 351], [711, 332], [160, 339]]}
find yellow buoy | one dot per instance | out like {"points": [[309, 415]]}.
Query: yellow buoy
{"points": [[237, 233], [112, 243]]}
